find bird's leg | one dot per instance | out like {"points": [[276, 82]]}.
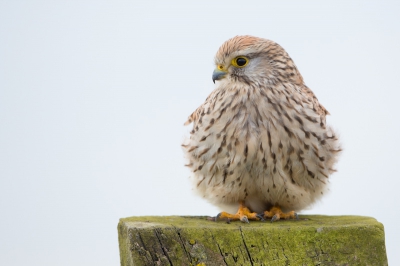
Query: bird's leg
{"points": [[275, 213], [243, 214]]}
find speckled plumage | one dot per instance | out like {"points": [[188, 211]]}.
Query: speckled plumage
{"points": [[261, 136]]}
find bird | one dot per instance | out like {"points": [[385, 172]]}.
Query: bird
{"points": [[259, 143]]}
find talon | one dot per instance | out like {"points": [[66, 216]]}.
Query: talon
{"points": [[228, 221], [276, 214], [212, 218], [243, 214], [261, 217], [244, 219]]}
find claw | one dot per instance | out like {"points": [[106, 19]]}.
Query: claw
{"points": [[244, 219], [260, 216], [214, 218], [211, 218], [219, 215], [276, 214], [243, 214]]}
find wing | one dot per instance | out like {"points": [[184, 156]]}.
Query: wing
{"points": [[194, 117], [318, 108]]}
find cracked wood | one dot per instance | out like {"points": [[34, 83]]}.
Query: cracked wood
{"points": [[333, 240]]}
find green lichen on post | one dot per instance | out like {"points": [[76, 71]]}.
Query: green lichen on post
{"points": [[313, 240]]}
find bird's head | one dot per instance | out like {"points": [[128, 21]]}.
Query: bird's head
{"points": [[253, 60]]}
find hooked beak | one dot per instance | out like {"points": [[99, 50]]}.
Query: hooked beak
{"points": [[218, 74]]}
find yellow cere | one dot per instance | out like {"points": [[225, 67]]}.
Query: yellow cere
{"points": [[220, 67]]}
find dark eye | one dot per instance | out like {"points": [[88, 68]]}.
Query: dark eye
{"points": [[240, 61]]}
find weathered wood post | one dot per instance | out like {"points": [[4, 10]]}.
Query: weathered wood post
{"points": [[313, 240]]}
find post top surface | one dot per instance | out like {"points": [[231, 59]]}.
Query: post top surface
{"points": [[305, 221]]}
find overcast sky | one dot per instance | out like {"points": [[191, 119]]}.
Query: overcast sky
{"points": [[94, 94]]}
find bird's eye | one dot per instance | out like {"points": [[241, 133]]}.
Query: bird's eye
{"points": [[240, 61]]}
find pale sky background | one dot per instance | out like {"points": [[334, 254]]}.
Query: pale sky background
{"points": [[94, 94]]}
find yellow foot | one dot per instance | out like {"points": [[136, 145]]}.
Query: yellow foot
{"points": [[275, 213], [243, 214]]}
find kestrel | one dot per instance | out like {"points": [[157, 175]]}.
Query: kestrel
{"points": [[260, 141]]}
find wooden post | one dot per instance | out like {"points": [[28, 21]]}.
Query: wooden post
{"points": [[312, 240]]}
